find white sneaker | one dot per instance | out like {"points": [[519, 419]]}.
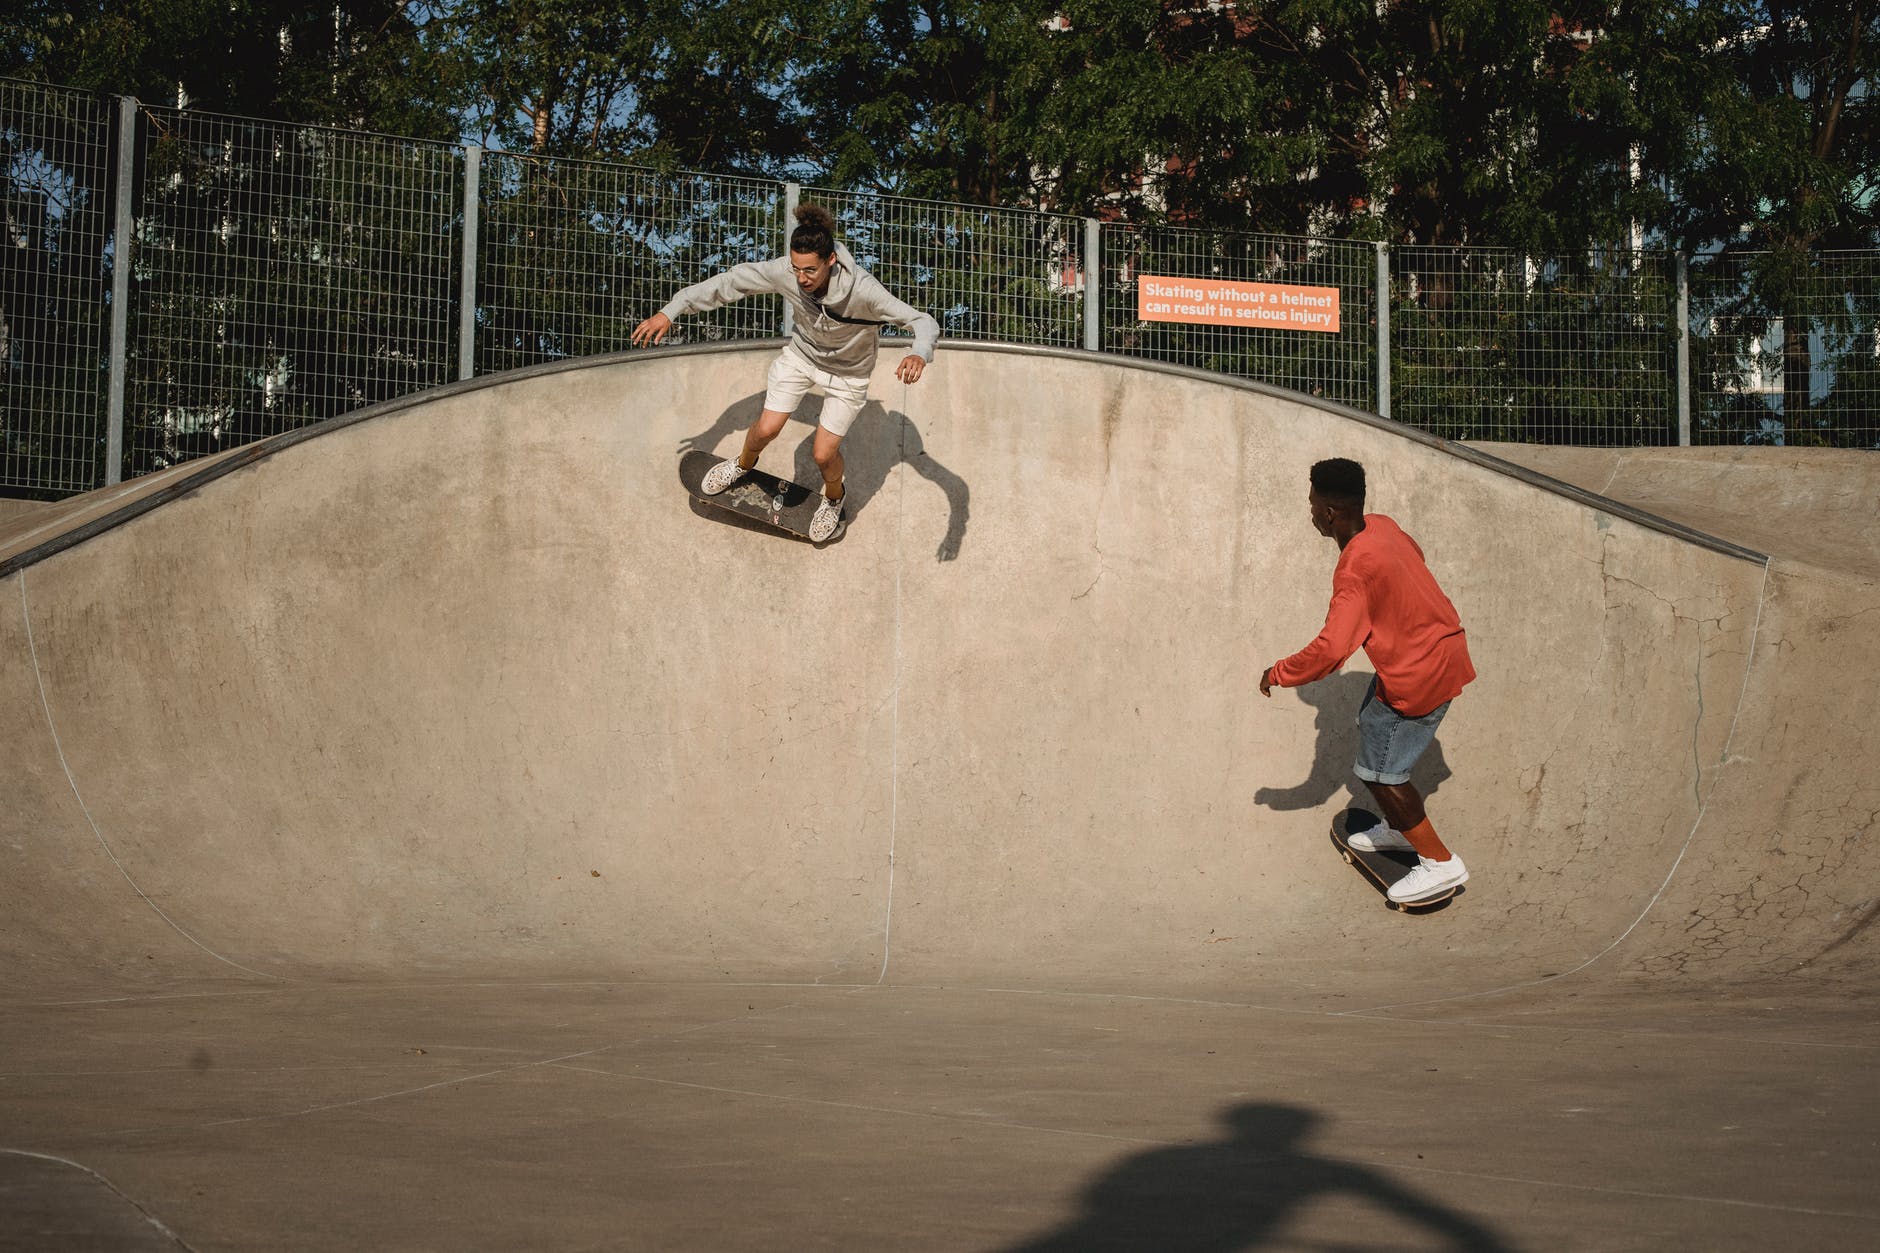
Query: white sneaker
{"points": [[1379, 839], [1430, 878], [828, 518], [722, 475]]}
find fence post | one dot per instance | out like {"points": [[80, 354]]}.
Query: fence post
{"points": [[1684, 351], [1383, 329], [467, 291], [792, 196], [1093, 285], [121, 265]]}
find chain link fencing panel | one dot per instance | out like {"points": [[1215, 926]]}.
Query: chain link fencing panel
{"points": [[1489, 344], [981, 272], [284, 274], [1785, 349], [55, 285], [572, 255], [281, 274], [1338, 365]]}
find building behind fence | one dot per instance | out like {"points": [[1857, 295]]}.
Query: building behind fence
{"points": [[177, 282]]}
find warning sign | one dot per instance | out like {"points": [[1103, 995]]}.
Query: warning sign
{"points": [[1217, 302]]}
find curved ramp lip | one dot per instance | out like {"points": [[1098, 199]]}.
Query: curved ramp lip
{"points": [[246, 455]]}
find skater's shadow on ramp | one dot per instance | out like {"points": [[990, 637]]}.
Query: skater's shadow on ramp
{"points": [[1336, 700], [880, 439], [1240, 1192]]}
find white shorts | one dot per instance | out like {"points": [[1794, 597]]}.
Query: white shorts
{"points": [[791, 377]]}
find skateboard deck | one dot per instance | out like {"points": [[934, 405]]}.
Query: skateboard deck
{"points": [[761, 497], [1382, 869]]}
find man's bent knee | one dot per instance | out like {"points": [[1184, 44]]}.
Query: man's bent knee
{"points": [[769, 424], [827, 452]]}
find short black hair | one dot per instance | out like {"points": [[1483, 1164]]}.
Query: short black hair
{"points": [[1339, 480]]}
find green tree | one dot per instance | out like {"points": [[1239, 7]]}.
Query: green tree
{"points": [[1192, 114], [1788, 150], [1757, 128], [919, 99], [716, 91], [551, 77], [356, 63], [1430, 121]]}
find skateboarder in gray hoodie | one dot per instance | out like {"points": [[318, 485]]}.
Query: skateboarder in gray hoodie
{"points": [[839, 311]]}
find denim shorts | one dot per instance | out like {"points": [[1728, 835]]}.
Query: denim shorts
{"points": [[1389, 743]]}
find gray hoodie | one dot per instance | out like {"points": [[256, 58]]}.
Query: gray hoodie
{"points": [[838, 333]]}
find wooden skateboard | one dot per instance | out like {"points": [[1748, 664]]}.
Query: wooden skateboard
{"points": [[1382, 869], [765, 498]]}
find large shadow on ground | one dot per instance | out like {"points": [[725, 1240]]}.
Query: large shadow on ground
{"points": [[1241, 1190], [1335, 701], [879, 440]]}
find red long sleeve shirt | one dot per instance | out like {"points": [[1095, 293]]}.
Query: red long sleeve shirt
{"points": [[1385, 600]]}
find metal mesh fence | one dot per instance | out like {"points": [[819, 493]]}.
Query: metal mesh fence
{"points": [[1338, 365], [573, 254], [280, 274], [55, 275], [284, 274], [1488, 344], [983, 273], [1786, 349]]}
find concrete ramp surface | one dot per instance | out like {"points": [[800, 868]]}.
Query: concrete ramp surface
{"points": [[433, 830]]}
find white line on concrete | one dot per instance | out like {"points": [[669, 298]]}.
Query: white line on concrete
{"points": [[495, 1073], [1149, 1142], [145, 1214], [139, 998], [1703, 808], [1654, 1196], [45, 703], [387, 1096], [894, 732], [869, 1109]]}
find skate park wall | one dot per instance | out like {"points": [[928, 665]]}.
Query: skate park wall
{"points": [[465, 686]]}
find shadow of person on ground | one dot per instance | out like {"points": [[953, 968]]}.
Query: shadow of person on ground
{"points": [[1336, 700], [1238, 1192], [879, 440]]}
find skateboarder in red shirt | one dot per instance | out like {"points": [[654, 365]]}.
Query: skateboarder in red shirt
{"points": [[1385, 600]]}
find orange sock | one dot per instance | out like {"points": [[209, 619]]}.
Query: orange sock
{"points": [[1423, 839]]}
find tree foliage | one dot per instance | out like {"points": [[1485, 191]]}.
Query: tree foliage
{"points": [[1547, 127], [358, 63], [1756, 126]]}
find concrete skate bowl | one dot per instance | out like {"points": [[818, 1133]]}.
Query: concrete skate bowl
{"points": [[439, 802]]}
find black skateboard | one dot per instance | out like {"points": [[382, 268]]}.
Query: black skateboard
{"points": [[1382, 869], [761, 497]]}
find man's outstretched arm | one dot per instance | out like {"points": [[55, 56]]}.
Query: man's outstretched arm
{"points": [[1347, 623]]}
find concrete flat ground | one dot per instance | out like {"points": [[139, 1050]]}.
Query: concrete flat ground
{"points": [[433, 831]]}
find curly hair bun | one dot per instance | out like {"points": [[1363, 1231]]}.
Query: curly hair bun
{"points": [[817, 216], [815, 231]]}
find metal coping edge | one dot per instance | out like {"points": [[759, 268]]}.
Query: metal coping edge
{"points": [[248, 454]]}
